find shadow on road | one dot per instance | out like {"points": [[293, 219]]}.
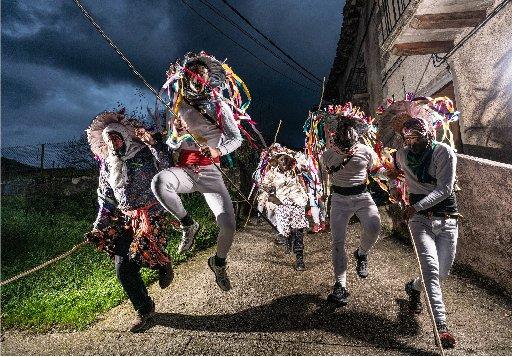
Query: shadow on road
{"points": [[302, 312]]}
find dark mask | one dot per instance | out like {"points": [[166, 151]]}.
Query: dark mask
{"points": [[346, 137]]}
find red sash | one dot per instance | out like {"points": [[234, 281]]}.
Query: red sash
{"points": [[194, 158]]}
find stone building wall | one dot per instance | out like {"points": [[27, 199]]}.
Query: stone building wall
{"points": [[485, 201]]}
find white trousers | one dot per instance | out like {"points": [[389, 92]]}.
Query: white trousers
{"points": [[167, 184], [436, 242], [342, 209]]}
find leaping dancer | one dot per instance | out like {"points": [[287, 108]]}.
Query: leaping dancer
{"points": [[349, 162], [202, 129]]}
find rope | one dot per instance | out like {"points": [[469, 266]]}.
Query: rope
{"points": [[132, 67], [44, 265], [430, 312]]}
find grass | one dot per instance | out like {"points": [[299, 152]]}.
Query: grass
{"points": [[73, 292]]}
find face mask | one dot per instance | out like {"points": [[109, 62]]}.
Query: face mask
{"points": [[116, 144], [416, 142], [346, 137]]}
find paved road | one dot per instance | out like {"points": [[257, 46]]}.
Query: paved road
{"points": [[275, 310]]}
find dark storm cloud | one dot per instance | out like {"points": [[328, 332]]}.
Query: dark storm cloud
{"points": [[56, 68]]}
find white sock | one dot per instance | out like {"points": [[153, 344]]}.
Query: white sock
{"points": [[342, 279]]}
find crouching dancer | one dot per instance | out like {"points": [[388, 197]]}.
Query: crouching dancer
{"points": [[287, 192], [348, 162], [131, 226], [200, 117], [429, 168]]}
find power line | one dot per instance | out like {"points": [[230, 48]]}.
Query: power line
{"points": [[221, 14], [268, 39], [244, 48]]}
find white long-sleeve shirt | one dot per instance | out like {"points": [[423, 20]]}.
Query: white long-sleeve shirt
{"points": [[442, 167], [226, 140], [355, 172]]}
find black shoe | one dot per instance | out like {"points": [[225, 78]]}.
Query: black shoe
{"points": [[415, 305], [362, 264], [339, 295], [446, 337], [299, 264], [165, 275], [142, 319]]}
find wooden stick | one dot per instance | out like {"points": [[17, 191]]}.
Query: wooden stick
{"points": [[322, 96], [277, 131]]}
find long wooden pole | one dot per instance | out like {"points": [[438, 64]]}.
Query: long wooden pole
{"points": [[277, 131]]}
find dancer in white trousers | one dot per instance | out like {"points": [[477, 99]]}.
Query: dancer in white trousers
{"points": [[348, 162], [429, 168], [200, 118]]}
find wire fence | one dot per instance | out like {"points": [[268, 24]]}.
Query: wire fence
{"points": [[71, 155]]}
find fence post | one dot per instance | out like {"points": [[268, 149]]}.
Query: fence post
{"points": [[42, 158]]}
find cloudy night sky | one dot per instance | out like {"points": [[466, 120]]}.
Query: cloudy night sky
{"points": [[58, 72]]}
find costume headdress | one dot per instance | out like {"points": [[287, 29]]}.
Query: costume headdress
{"points": [[421, 114], [95, 135], [98, 137], [222, 84]]}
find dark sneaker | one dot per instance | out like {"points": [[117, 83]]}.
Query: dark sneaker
{"points": [[142, 320], [221, 277], [299, 264], [414, 295], [446, 337], [165, 275], [188, 237], [362, 264], [339, 295]]}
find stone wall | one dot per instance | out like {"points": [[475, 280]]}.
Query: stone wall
{"points": [[482, 72], [485, 201], [413, 75]]}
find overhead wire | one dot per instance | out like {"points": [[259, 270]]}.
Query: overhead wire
{"points": [[248, 34], [268, 39], [494, 12], [245, 48]]}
